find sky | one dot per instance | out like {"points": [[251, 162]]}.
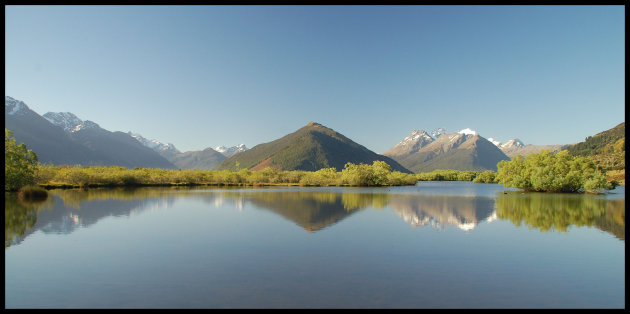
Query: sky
{"points": [[206, 76]]}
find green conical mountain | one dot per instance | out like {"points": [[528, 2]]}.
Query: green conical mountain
{"points": [[310, 148]]}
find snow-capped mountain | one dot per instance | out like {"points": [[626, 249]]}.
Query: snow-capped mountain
{"points": [[69, 122], [14, 106], [509, 144], [63, 138], [512, 143], [467, 131], [515, 147], [155, 144], [419, 139], [495, 142], [437, 132], [410, 144], [417, 134], [463, 150], [230, 151]]}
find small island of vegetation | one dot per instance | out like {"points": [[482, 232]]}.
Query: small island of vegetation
{"points": [[553, 172]]}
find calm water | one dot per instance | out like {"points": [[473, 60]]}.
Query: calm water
{"points": [[433, 245]]}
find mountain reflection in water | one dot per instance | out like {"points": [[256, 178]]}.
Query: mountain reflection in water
{"points": [[314, 210], [464, 212]]}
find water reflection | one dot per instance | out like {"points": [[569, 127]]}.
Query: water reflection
{"points": [[311, 210], [66, 210], [317, 209], [547, 211], [19, 217], [438, 211]]}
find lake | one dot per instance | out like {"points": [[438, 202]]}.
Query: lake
{"points": [[433, 245]]}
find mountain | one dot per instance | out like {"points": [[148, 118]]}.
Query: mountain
{"points": [[601, 142], [66, 120], [310, 148], [231, 151], [607, 148], [206, 159], [50, 142], [410, 144], [531, 149], [63, 138], [437, 132], [414, 142], [464, 150], [117, 148], [166, 150], [515, 147]]}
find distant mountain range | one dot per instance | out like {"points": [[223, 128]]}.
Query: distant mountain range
{"points": [[63, 138], [464, 150], [50, 142], [231, 151], [515, 147], [424, 151], [206, 159], [310, 148]]}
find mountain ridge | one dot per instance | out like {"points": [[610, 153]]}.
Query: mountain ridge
{"points": [[463, 150], [310, 148], [74, 141]]}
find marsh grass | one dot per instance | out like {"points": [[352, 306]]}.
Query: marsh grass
{"points": [[31, 193]]}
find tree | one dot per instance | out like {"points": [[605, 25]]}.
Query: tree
{"points": [[552, 172], [19, 164]]}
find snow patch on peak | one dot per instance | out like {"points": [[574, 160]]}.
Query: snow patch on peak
{"points": [[513, 143], [229, 151], [154, 144], [416, 134], [66, 120], [495, 142], [437, 132], [468, 131], [85, 125], [13, 106]]}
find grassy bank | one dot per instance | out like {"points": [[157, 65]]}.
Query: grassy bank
{"points": [[377, 174]]}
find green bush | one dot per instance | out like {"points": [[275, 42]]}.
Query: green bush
{"points": [[552, 172], [487, 176], [447, 175], [20, 164]]}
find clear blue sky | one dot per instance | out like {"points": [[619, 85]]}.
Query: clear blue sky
{"points": [[204, 76]]}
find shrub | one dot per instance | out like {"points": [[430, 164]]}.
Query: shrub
{"points": [[32, 193], [487, 176], [552, 172], [19, 164]]}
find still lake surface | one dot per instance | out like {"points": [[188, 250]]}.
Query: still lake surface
{"points": [[433, 245]]}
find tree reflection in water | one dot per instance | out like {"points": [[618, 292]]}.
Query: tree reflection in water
{"points": [[551, 211], [19, 216]]}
